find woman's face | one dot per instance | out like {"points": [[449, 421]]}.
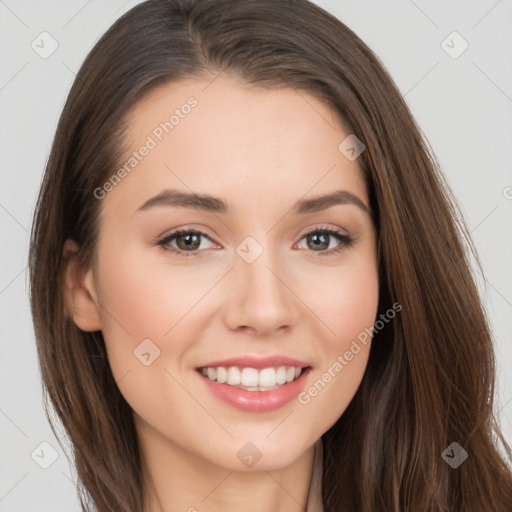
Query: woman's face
{"points": [[254, 275]]}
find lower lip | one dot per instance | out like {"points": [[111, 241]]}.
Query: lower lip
{"points": [[257, 401]]}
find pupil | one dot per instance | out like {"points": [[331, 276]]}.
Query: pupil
{"points": [[188, 243], [322, 237]]}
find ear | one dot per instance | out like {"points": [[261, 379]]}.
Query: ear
{"points": [[80, 296]]}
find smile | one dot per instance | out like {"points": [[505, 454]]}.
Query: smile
{"points": [[252, 379], [253, 390]]}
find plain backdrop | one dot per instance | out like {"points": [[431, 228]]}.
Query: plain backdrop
{"points": [[462, 100]]}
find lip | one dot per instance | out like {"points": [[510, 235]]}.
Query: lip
{"points": [[257, 401], [257, 362]]}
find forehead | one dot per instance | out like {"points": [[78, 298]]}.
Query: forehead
{"points": [[219, 136]]}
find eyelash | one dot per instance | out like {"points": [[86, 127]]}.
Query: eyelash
{"points": [[345, 241]]}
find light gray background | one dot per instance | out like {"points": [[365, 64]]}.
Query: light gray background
{"points": [[463, 105]]}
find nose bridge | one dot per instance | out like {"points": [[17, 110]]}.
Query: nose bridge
{"points": [[262, 300]]}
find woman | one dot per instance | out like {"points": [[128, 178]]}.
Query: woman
{"points": [[248, 278]]}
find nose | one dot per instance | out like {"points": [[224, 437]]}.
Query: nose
{"points": [[259, 296]]}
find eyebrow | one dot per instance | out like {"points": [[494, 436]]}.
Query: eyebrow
{"points": [[211, 204]]}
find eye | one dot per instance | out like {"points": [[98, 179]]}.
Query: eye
{"points": [[188, 242], [320, 238]]}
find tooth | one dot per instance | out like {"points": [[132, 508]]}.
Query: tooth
{"points": [[249, 377], [253, 379], [281, 375], [233, 376], [222, 375], [267, 377]]}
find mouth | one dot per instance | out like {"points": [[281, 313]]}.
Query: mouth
{"points": [[254, 389], [253, 379]]}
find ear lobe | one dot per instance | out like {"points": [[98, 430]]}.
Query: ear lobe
{"points": [[80, 296]]}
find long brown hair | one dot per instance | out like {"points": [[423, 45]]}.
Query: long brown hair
{"points": [[430, 376]]}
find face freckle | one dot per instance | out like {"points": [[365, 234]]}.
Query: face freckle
{"points": [[255, 287]]}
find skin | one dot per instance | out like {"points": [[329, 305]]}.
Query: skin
{"points": [[260, 150]]}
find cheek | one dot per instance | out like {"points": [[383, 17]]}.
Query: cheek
{"points": [[346, 304], [343, 299], [146, 323], [354, 308], [145, 298]]}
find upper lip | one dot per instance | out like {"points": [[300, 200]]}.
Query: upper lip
{"points": [[257, 362]]}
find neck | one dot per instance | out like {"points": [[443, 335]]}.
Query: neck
{"points": [[183, 481]]}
